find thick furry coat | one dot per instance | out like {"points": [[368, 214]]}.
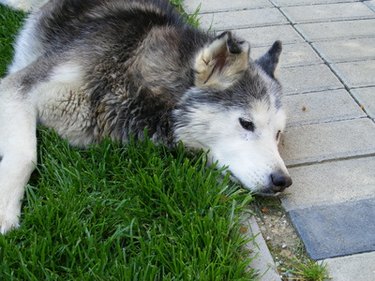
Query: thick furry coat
{"points": [[113, 68]]}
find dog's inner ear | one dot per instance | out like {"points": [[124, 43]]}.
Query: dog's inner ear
{"points": [[219, 64], [269, 60]]}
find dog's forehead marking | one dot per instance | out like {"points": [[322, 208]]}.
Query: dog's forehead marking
{"points": [[265, 114], [260, 112]]}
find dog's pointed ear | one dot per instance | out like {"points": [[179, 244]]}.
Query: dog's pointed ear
{"points": [[220, 63], [269, 60]]}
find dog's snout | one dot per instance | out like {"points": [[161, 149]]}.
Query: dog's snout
{"points": [[280, 181]]}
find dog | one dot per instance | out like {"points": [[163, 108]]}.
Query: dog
{"points": [[113, 69]]}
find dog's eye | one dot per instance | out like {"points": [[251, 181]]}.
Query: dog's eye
{"points": [[278, 135], [247, 125]]}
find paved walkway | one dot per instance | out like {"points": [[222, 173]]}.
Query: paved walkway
{"points": [[328, 73]]}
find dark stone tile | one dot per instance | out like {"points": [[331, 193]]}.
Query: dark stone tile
{"points": [[336, 230]]}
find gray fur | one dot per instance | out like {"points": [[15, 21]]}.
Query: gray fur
{"points": [[134, 77], [111, 69]]}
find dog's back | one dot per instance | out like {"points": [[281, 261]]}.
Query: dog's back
{"points": [[130, 56], [123, 22]]}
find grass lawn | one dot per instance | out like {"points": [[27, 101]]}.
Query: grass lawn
{"points": [[112, 212]]}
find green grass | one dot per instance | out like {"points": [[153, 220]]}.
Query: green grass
{"points": [[311, 271], [192, 19], [10, 22], [112, 212], [138, 212]]}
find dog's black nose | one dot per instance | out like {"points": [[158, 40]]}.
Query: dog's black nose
{"points": [[280, 181]]}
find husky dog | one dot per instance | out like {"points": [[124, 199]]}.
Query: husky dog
{"points": [[111, 68]]}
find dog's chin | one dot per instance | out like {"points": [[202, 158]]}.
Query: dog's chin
{"points": [[256, 192], [267, 194]]}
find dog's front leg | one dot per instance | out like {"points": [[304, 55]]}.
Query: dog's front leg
{"points": [[17, 150]]}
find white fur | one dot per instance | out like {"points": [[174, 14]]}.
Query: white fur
{"points": [[17, 126], [65, 83], [17, 134], [250, 156], [18, 148], [69, 72], [27, 48]]}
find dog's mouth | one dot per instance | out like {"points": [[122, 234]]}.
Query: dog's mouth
{"points": [[257, 192], [266, 194]]}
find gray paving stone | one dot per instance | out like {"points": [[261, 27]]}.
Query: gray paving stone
{"points": [[326, 141], [263, 261], [336, 230], [337, 30], [313, 78], [360, 267], [321, 107], [265, 36], [213, 6], [292, 55], [330, 12], [330, 183], [347, 50], [282, 3], [242, 19], [356, 74], [366, 97]]}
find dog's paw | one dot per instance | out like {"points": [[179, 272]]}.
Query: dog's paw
{"points": [[9, 224], [9, 219]]}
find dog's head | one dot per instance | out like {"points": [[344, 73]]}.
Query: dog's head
{"points": [[234, 112]]}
